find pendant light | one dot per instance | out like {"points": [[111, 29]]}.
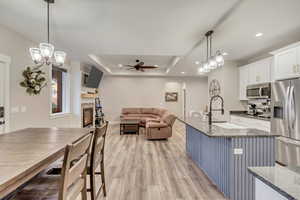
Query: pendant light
{"points": [[212, 61], [44, 54], [219, 58]]}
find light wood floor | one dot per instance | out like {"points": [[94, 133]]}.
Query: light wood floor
{"points": [[138, 169]]}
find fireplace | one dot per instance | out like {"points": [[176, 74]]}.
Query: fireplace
{"points": [[87, 117]]}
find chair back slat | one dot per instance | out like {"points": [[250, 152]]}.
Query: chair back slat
{"points": [[76, 189], [98, 156], [79, 148], [74, 169], [98, 145], [97, 160]]}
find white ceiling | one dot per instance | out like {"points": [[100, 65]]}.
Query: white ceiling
{"points": [[118, 31]]}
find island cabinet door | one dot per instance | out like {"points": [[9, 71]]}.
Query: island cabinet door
{"points": [[193, 143], [188, 141], [263, 191]]}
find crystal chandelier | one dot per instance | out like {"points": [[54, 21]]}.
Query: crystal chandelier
{"points": [[212, 61], [44, 53]]}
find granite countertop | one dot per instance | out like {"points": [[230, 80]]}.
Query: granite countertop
{"points": [[216, 131], [282, 179], [244, 114]]}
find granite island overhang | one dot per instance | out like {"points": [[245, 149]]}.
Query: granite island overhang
{"points": [[225, 154]]}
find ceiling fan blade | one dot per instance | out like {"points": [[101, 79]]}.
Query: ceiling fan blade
{"points": [[149, 67], [128, 66]]}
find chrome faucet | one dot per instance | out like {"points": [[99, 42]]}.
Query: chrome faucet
{"points": [[211, 109]]}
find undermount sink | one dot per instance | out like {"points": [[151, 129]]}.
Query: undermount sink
{"points": [[228, 125]]}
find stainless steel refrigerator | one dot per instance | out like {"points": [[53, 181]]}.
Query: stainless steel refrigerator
{"points": [[286, 120]]}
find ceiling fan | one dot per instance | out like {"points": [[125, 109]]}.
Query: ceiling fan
{"points": [[140, 66]]}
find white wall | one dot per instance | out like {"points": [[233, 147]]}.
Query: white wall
{"points": [[228, 77], [118, 92], [37, 107]]}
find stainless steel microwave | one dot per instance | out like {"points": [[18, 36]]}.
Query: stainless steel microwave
{"points": [[259, 91]]}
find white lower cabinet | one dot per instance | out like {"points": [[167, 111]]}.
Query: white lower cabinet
{"points": [[251, 123], [265, 192]]}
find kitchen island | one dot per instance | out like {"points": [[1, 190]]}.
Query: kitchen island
{"points": [[225, 154]]}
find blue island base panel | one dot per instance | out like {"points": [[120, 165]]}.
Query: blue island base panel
{"points": [[225, 160]]}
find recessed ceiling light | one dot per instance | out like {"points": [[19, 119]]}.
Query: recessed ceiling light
{"points": [[120, 65], [224, 53], [183, 72], [197, 62], [155, 65], [259, 34]]}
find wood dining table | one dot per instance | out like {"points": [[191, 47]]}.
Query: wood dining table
{"points": [[25, 153]]}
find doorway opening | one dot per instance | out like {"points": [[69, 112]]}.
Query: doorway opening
{"points": [[4, 93]]}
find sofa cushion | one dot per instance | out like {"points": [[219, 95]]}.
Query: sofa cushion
{"points": [[130, 117], [168, 118], [159, 111], [156, 125], [153, 120], [147, 111], [145, 119], [134, 115], [131, 110]]}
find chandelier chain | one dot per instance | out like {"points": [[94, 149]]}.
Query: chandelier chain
{"points": [[48, 22]]}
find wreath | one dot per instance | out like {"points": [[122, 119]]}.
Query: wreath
{"points": [[34, 80]]}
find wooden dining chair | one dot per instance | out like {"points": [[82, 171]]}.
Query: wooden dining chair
{"points": [[97, 162], [74, 170], [70, 184]]}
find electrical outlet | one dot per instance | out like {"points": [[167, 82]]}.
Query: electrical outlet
{"points": [[237, 151]]}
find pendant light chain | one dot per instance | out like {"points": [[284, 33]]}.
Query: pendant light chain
{"points": [[207, 46], [210, 45], [48, 21]]}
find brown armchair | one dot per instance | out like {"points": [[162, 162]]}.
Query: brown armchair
{"points": [[160, 129]]}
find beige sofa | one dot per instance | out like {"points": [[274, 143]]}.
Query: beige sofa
{"points": [[157, 121]]}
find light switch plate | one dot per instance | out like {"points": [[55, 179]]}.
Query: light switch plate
{"points": [[238, 151]]}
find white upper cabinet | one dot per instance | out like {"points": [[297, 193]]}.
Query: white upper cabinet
{"points": [[254, 73], [287, 62], [260, 71], [244, 77]]}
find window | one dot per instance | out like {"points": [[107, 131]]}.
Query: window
{"points": [[59, 91]]}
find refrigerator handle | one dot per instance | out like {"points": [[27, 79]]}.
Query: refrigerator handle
{"points": [[286, 108], [292, 109]]}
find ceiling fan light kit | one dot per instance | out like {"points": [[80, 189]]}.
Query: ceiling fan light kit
{"points": [[212, 61], [44, 54]]}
